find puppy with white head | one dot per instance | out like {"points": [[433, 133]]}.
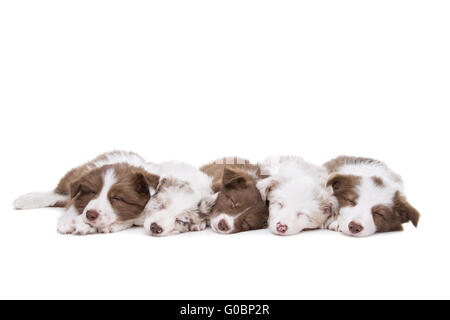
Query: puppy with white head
{"points": [[371, 197], [298, 196], [182, 200], [107, 194]]}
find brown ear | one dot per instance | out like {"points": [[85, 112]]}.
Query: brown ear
{"points": [[75, 188], [145, 181], [404, 210], [216, 186], [234, 177]]}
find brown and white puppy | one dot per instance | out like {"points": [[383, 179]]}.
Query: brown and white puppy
{"points": [[107, 194], [239, 206], [370, 195]]}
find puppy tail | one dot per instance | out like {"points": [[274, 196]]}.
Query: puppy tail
{"points": [[36, 200]]}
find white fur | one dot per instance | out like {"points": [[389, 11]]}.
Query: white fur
{"points": [[295, 190], [36, 200], [172, 208], [101, 204], [369, 195], [120, 157]]}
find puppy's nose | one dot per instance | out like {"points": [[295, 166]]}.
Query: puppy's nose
{"points": [[355, 227], [156, 229], [281, 228], [91, 215], [223, 226]]}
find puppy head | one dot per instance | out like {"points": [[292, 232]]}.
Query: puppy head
{"points": [[239, 206], [112, 193], [369, 205], [297, 204], [176, 208]]}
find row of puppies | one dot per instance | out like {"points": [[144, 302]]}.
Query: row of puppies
{"points": [[118, 190]]}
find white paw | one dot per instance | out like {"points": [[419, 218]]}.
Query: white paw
{"points": [[107, 230], [76, 227], [115, 227], [334, 226], [66, 227], [199, 227], [82, 229]]}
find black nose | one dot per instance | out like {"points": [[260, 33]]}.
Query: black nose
{"points": [[223, 226], [355, 227], [156, 229], [91, 215]]}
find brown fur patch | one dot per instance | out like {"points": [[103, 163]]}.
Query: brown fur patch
{"points": [[385, 219], [344, 188], [378, 181], [130, 194]]}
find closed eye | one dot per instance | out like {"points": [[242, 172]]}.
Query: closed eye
{"points": [[278, 204], [378, 214], [233, 203], [352, 203], [119, 199], [184, 223]]}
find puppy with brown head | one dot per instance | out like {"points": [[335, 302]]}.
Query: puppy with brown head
{"points": [[371, 197], [239, 206], [105, 195]]}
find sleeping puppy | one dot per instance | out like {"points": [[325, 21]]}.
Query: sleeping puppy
{"points": [[239, 206], [107, 194], [181, 202], [371, 197], [298, 196]]}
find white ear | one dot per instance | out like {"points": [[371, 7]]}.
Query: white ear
{"points": [[205, 205], [265, 186]]}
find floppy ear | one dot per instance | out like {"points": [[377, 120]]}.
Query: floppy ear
{"points": [[75, 188], [404, 210], [146, 182], [265, 186], [234, 177], [207, 203], [216, 186]]}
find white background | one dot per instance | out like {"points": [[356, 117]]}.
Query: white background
{"points": [[197, 80]]}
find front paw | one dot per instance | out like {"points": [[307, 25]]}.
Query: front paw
{"points": [[83, 229], [66, 228], [75, 227], [334, 226], [199, 227], [115, 228]]}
